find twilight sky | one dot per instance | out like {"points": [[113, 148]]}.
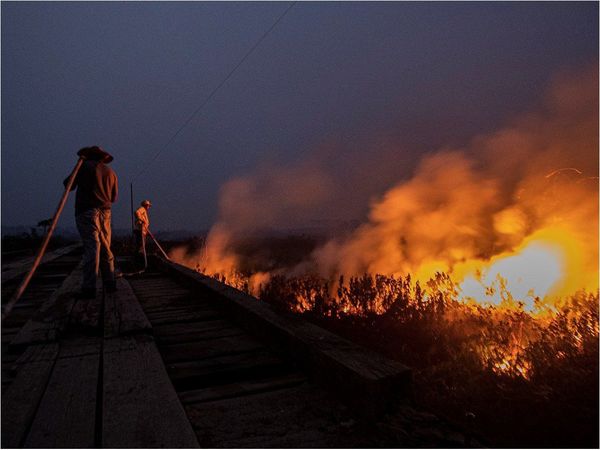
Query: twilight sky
{"points": [[126, 76]]}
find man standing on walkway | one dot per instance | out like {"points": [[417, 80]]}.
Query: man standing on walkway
{"points": [[142, 224], [97, 189]]}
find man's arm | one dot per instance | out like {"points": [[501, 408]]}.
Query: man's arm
{"points": [[115, 189], [74, 182]]}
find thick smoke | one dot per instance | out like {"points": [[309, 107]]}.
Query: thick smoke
{"points": [[476, 202], [458, 206]]}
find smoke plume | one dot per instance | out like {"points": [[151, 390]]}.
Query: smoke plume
{"points": [[458, 208]]}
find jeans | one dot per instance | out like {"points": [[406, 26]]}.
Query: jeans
{"points": [[94, 228]]}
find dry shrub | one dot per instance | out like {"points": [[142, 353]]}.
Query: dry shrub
{"points": [[536, 373]]}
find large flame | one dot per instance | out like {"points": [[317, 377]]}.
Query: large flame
{"points": [[545, 265]]}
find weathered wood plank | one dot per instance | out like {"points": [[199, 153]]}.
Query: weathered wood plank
{"points": [[180, 310], [209, 348], [80, 346], [366, 380], [21, 400], [17, 268], [190, 327], [140, 407], [226, 368], [160, 290], [176, 310], [53, 315], [87, 313], [123, 313], [241, 388], [195, 336], [294, 417], [66, 416], [189, 317]]}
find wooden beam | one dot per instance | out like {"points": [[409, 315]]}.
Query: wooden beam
{"points": [[20, 401], [53, 315], [209, 348], [140, 408], [241, 388], [123, 313], [367, 381], [15, 269], [226, 368], [66, 416]]}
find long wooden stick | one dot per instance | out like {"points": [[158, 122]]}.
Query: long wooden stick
{"points": [[9, 306], [158, 245], [132, 215]]}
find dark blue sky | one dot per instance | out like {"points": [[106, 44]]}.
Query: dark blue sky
{"points": [[126, 76]]}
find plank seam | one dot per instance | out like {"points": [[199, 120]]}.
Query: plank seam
{"points": [[37, 407], [100, 387]]}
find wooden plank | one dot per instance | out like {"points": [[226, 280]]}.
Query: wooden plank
{"points": [[241, 388], [209, 348], [225, 368], [86, 314], [183, 310], [189, 317], [53, 315], [159, 290], [20, 401], [367, 381], [176, 310], [66, 417], [37, 353], [140, 408], [191, 327], [156, 303], [295, 417], [200, 335], [162, 284], [80, 346], [18, 268], [123, 313]]}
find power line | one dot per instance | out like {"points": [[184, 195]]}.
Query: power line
{"points": [[215, 90]]}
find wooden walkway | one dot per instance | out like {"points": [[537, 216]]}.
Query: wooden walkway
{"points": [[175, 359]]}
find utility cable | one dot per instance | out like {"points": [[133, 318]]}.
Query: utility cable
{"points": [[215, 90]]}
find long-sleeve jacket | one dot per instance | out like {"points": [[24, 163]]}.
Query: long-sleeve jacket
{"points": [[142, 222], [97, 186]]}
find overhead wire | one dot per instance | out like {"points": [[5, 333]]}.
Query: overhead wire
{"points": [[215, 90]]}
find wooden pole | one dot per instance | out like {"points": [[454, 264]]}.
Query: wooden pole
{"points": [[9, 306], [131, 203], [158, 245]]}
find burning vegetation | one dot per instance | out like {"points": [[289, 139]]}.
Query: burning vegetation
{"points": [[482, 263]]}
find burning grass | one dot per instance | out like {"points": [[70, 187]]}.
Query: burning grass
{"points": [[505, 338], [533, 370]]}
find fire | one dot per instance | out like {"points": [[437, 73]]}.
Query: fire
{"points": [[546, 265], [507, 223]]}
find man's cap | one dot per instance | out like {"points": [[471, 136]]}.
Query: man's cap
{"points": [[95, 153], [146, 202]]}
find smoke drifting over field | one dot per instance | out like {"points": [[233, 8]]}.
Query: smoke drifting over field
{"points": [[462, 211]]}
